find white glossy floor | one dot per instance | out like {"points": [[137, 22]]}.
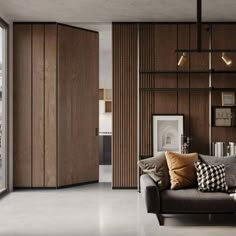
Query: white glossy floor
{"points": [[96, 210]]}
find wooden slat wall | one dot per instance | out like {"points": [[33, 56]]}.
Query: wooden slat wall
{"points": [[77, 106], [22, 106], [146, 63], [50, 105], [124, 133]]}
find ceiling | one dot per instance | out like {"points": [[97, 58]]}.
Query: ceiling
{"points": [[106, 11]]}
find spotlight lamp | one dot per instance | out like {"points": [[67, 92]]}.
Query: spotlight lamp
{"points": [[226, 59], [182, 59]]}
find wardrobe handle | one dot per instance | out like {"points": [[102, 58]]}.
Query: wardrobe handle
{"points": [[96, 131]]}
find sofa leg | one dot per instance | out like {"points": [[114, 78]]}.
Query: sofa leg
{"points": [[160, 219]]}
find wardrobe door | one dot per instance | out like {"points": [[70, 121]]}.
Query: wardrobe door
{"points": [[77, 105]]}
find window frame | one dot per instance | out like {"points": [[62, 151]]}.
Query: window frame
{"points": [[5, 26]]}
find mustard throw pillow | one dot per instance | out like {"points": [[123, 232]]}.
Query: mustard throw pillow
{"points": [[181, 169]]}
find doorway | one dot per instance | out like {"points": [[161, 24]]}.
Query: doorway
{"points": [[105, 99]]}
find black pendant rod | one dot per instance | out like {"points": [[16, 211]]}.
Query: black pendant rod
{"points": [[199, 25]]}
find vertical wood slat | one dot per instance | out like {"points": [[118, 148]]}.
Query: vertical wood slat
{"points": [[22, 105], [124, 133], [51, 105], [37, 105], [147, 63]]}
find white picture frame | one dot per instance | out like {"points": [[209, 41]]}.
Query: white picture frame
{"points": [[228, 98], [167, 131]]}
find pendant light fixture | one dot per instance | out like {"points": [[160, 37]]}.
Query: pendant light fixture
{"points": [[182, 59], [226, 59]]}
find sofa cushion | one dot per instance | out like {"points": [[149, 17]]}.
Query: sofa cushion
{"points": [[195, 201], [181, 169], [230, 167], [156, 167], [211, 178]]}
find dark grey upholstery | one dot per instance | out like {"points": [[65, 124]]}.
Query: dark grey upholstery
{"points": [[193, 200], [150, 193], [184, 200]]}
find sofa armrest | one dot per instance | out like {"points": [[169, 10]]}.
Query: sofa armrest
{"points": [[151, 193]]}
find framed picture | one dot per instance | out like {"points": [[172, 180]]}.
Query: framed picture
{"points": [[167, 131], [228, 99]]}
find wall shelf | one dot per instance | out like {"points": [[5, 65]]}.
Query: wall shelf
{"points": [[172, 72], [205, 50], [175, 89], [190, 72], [190, 89], [223, 116], [213, 126]]}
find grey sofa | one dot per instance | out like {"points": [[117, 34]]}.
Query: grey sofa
{"points": [[183, 201]]}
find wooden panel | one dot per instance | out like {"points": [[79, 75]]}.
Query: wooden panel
{"points": [[199, 61], [37, 105], [101, 94], [147, 63], [77, 106], [199, 100], [199, 122], [22, 105], [124, 132], [165, 59], [108, 106], [184, 79], [222, 134], [165, 46], [50, 105]]}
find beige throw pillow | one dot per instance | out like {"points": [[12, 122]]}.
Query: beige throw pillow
{"points": [[181, 169]]}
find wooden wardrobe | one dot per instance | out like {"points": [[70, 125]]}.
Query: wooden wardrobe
{"points": [[55, 105]]}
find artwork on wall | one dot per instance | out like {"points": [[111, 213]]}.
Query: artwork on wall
{"points": [[228, 99], [223, 116], [167, 131]]}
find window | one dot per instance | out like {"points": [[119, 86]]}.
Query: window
{"points": [[3, 104]]}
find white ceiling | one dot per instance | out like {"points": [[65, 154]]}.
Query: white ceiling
{"points": [[105, 11]]}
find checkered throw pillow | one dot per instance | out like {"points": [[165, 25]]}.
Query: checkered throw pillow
{"points": [[211, 178]]}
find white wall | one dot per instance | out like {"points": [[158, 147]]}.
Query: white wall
{"points": [[105, 59]]}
